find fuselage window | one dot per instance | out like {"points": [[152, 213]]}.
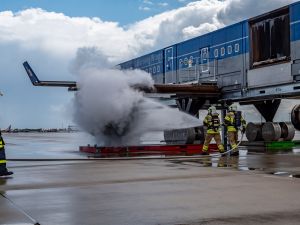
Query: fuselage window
{"points": [[154, 69], [216, 53], [236, 47], [222, 51], [150, 70], [229, 49], [158, 69]]}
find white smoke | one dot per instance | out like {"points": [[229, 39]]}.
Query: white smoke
{"points": [[108, 107]]}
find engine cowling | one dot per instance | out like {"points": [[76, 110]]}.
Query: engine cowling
{"points": [[295, 116]]}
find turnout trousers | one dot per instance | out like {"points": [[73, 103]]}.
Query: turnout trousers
{"points": [[209, 137], [233, 139], [2, 161]]}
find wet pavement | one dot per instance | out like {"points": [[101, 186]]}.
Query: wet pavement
{"points": [[250, 189]]}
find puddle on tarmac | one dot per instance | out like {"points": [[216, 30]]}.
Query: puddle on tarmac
{"points": [[210, 162], [258, 169], [285, 174], [295, 176], [271, 164], [279, 173]]}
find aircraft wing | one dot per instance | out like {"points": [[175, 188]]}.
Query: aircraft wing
{"points": [[208, 90], [72, 86]]}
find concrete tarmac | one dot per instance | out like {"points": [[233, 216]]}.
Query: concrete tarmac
{"points": [[251, 189]]}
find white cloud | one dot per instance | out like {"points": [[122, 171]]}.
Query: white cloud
{"points": [[236, 10], [163, 4], [192, 31], [61, 35], [58, 34], [148, 2], [144, 8], [50, 41]]}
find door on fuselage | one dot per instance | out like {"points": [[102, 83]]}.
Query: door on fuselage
{"points": [[170, 73], [204, 60]]}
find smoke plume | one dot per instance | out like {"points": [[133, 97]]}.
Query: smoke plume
{"points": [[108, 107]]}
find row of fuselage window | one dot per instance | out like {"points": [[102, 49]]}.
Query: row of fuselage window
{"points": [[186, 61], [189, 61], [229, 50]]}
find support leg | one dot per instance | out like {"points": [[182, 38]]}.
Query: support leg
{"points": [[224, 130], [268, 108]]}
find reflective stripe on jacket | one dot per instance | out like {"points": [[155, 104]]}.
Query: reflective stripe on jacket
{"points": [[2, 152], [210, 123], [1, 144]]}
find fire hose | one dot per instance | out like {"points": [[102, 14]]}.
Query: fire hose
{"points": [[21, 210], [230, 150]]}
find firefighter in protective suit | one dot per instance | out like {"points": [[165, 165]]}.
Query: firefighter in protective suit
{"points": [[234, 121], [212, 122]]}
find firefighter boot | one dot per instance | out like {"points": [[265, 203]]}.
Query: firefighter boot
{"points": [[6, 173], [205, 150]]}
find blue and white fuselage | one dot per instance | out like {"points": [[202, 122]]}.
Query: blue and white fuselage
{"points": [[255, 58]]}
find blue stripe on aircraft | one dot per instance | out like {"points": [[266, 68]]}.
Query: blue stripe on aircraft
{"points": [[224, 43]]}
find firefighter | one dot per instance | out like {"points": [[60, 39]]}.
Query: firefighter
{"points": [[3, 169], [212, 122], [234, 121]]}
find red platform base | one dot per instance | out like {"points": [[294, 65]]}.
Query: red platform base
{"points": [[146, 150]]}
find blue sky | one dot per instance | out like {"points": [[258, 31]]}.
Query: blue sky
{"points": [[57, 36], [124, 12]]}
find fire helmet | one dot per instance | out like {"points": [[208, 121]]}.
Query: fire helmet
{"points": [[212, 110], [233, 108]]}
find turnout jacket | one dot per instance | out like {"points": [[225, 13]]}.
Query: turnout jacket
{"points": [[234, 121]]}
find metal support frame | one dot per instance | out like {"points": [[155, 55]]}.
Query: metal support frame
{"points": [[224, 130], [190, 105], [268, 108]]}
